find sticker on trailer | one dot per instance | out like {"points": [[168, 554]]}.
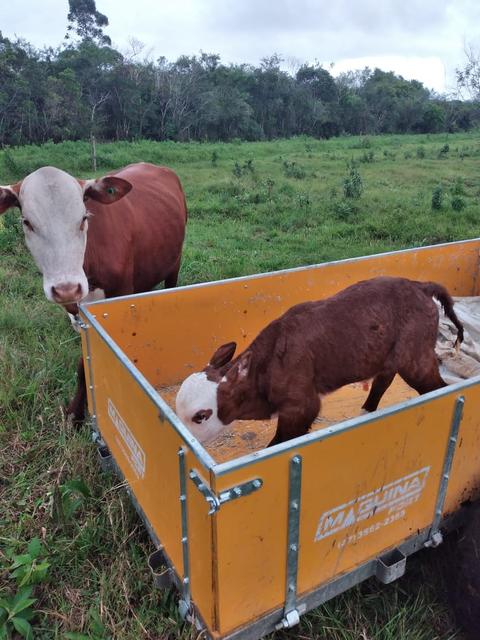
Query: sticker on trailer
{"points": [[127, 442], [392, 498]]}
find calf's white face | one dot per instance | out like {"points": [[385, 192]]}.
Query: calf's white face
{"points": [[55, 223], [196, 406]]}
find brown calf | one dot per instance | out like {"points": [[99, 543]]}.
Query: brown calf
{"points": [[373, 329]]}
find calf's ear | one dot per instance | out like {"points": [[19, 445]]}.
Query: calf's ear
{"points": [[106, 190], [223, 355], [9, 197], [241, 368]]}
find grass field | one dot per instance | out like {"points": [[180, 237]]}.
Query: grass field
{"points": [[68, 529]]}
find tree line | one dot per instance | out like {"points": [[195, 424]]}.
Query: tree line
{"points": [[86, 87]]}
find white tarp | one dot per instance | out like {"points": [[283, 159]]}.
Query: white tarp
{"points": [[457, 365]]}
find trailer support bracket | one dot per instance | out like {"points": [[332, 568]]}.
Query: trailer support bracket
{"points": [[292, 611], [227, 495], [184, 604], [435, 538]]}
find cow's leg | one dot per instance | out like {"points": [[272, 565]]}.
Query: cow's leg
{"points": [[295, 420], [380, 384], [76, 407], [172, 278]]}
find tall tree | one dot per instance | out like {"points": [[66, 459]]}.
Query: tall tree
{"points": [[88, 23]]}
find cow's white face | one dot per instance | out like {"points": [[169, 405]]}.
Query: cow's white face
{"points": [[196, 406], [55, 224]]}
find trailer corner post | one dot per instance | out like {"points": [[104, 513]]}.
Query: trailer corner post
{"points": [[185, 602], [435, 537], [292, 610]]}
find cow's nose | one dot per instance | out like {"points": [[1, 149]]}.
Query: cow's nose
{"points": [[67, 292]]}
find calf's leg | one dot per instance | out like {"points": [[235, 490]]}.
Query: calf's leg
{"points": [[424, 378], [295, 420], [380, 384], [76, 407]]}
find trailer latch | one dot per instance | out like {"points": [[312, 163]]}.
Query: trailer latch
{"points": [[227, 495]]}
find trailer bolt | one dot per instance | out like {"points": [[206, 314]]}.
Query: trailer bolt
{"points": [[105, 315], [293, 547], [257, 484], [237, 491]]}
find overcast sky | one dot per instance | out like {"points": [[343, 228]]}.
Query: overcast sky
{"points": [[422, 39]]}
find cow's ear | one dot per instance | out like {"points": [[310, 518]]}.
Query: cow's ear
{"points": [[106, 190], [241, 368], [223, 355], [9, 197]]}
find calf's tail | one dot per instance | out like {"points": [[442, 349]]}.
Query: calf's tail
{"points": [[433, 289]]}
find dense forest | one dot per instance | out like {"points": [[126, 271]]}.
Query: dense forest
{"points": [[86, 87]]}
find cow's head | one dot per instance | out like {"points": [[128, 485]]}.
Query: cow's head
{"points": [[54, 212], [224, 391]]}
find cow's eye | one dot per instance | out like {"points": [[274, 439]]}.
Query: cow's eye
{"points": [[27, 223], [82, 224]]}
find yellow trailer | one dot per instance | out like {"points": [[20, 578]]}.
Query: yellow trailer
{"points": [[254, 537]]}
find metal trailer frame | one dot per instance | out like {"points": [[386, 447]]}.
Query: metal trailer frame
{"points": [[387, 566]]}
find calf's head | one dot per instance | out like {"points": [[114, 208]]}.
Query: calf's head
{"points": [[53, 206], [210, 400]]}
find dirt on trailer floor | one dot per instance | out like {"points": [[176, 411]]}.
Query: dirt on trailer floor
{"points": [[246, 436]]}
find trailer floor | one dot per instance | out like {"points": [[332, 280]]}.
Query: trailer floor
{"points": [[245, 436]]}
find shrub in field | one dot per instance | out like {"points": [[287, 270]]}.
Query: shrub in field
{"points": [[458, 203], [363, 143], [458, 188], [437, 197], [27, 569], [407, 155], [368, 156], [214, 158], [389, 154], [444, 150], [343, 210], [352, 183], [237, 170], [241, 170], [293, 170], [420, 153], [268, 184], [304, 201]]}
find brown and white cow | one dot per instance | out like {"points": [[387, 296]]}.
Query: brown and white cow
{"points": [[373, 329], [99, 238]]}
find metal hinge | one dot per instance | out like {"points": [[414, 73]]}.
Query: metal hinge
{"points": [[214, 500]]}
